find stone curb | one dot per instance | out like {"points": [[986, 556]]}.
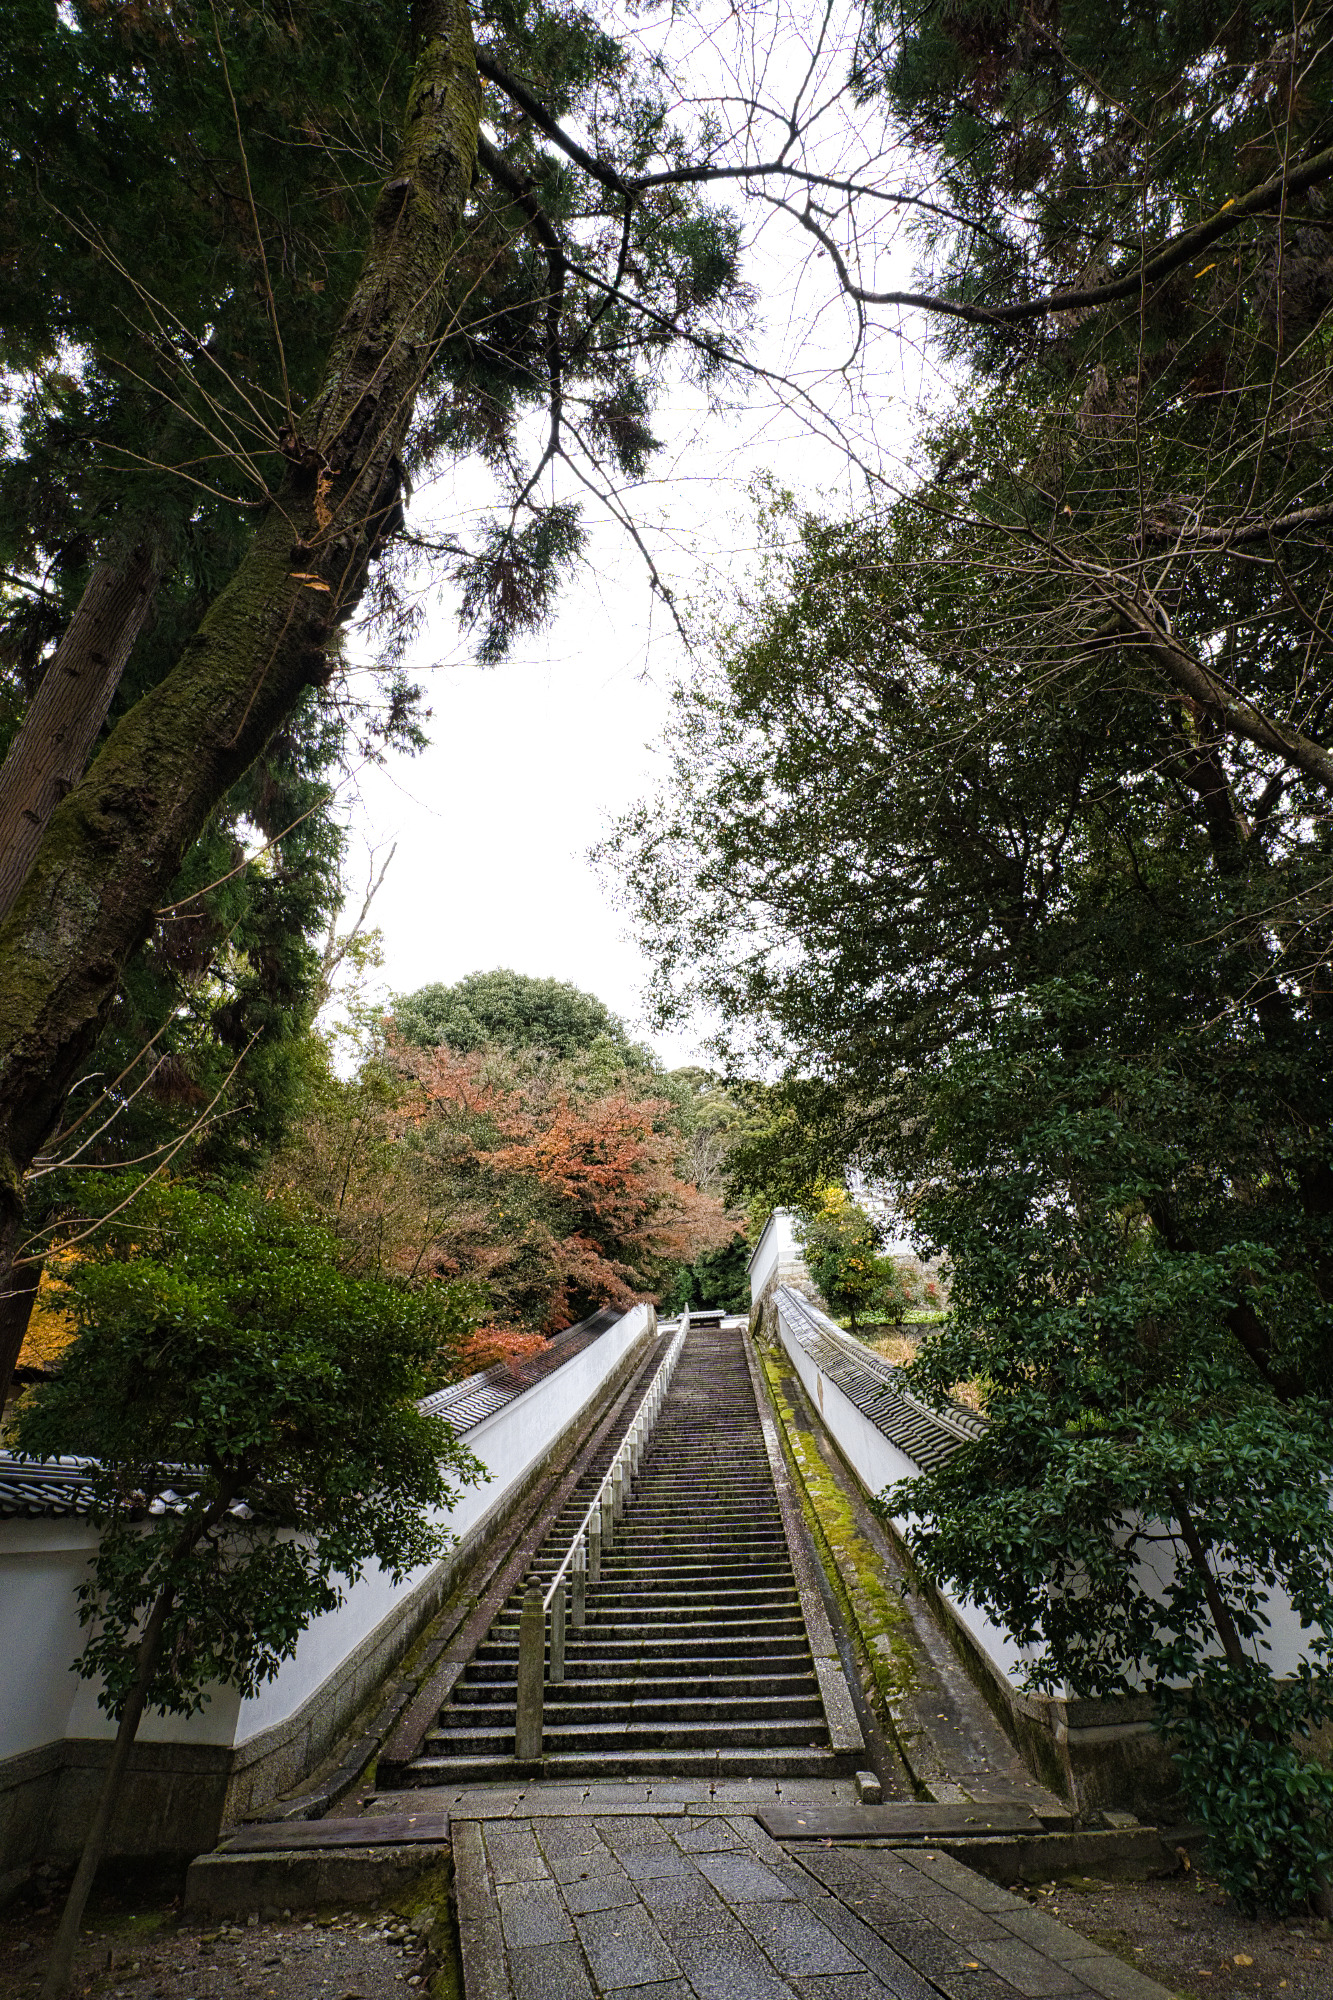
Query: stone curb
{"points": [[844, 1728], [235, 1885]]}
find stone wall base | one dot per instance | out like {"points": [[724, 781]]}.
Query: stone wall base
{"points": [[178, 1797]]}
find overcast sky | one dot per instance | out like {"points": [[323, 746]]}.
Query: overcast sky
{"points": [[530, 761]]}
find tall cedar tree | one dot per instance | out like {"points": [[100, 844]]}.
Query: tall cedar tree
{"points": [[253, 387]]}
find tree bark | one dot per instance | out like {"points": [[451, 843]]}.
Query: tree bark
{"points": [[48, 756], [115, 844], [1223, 1622]]}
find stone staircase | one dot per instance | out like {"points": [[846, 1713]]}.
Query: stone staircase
{"points": [[694, 1660]]}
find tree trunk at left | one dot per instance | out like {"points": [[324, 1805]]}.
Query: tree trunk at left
{"points": [[115, 844], [65, 716]]}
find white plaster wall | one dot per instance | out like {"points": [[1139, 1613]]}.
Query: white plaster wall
{"points": [[42, 1563], [776, 1254], [509, 1445], [879, 1464]]}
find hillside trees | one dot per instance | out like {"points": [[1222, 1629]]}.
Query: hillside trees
{"points": [[514, 1010], [538, 1173], [585, 264]]}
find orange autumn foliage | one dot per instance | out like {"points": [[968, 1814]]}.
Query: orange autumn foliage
{"points": [[558, 1195]]}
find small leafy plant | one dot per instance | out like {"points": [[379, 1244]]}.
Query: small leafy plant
{"points": [[252, 1416]]}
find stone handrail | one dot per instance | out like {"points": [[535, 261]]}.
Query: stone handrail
{"points": [[581, 1564]]}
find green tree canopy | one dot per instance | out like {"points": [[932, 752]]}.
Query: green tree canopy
{"points": [[513, 1011], [1049, 956]]}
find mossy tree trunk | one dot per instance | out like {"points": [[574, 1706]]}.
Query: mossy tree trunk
{"points": [[56, 738], [115, 844]]}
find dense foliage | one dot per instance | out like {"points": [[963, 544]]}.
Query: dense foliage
{"points": [[515, 1010], [1053, 965], [223, 1358], [843, 1247]]}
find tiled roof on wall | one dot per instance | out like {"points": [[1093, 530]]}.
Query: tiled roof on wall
{"points": [[468, 1403], [925, 1435], [59, 1488]]}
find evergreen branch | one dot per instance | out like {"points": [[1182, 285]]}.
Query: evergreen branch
{"points": [[1176, 251], [698, 175], [254, 214], [523, 196]]}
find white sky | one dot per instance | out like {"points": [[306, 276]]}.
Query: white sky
{"points": [[530, 761]]}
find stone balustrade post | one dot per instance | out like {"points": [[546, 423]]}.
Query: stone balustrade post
{"points": [[578, 1595], [608, 1519], [531, 1676], [558, 1634], [595, 1549]]}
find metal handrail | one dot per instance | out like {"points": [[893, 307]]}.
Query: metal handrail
{"points": [[582, 1562]]}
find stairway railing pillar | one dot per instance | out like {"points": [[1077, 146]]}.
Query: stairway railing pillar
{"points": [[557, 1668], [578, 1608], [531, 1676], [608, 1521]]}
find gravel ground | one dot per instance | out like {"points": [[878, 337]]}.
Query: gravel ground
{"points": [[1188, 1935], [1183, 1932], [137, 1948]]}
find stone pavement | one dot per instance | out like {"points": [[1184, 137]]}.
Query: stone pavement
{"points": [[693, 1901]]}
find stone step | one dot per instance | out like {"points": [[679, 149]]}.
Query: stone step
{"points": [[733, 1761], [620, 1688], [673, 1701], [694, 1656], [799, 1733]]}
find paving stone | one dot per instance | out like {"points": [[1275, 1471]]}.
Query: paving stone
{"points": [[549, 1972], [639, 1863], [707, 1836], [599, 1892], [756, 1839], [1030, 1972], [619, 1832], [719, 1957], [532, 1913], [844, 1986], [514, 1855], [1117, 1981], [1036, 1928], [660, 1989], [970, 1980], [481, 1946], [795, 1939], [476, 1895], [579, 1867], [883, 1960], [959, 1881], [485, 1801], [740, 1879], [564, 1836], [625, 1948], [679, 1892]]}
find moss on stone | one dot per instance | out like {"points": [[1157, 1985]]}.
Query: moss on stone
{"points": [[873, 1609]]}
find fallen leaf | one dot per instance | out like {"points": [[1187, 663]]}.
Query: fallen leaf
{"points": [[1242, 1958]]}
